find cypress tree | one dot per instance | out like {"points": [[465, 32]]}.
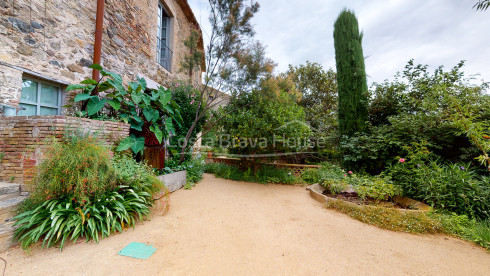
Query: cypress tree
{"points": [[351, 74]]}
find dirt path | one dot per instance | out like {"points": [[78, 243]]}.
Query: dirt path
{"points": [[223, 227]]}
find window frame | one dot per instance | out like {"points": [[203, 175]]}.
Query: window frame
{"points": [[38, 104], [163, 13]]}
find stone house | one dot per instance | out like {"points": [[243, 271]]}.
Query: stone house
{"points": [[47, 44]]}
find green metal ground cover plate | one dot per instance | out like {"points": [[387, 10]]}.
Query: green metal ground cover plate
{"points": [[138, 250]]}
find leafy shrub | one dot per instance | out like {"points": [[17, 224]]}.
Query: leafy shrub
{"points": [[186, 96], [77, 168], [327, 171], [468, 229], [449, 187], [152, 112], [58, 220], [453, 187], [265, 174], [311, 176], [335, 179], [194, 167], [334, 187], [81, 192], [137, 175], [378, 187]]}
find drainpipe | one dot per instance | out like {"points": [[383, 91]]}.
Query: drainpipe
{"points": [[99, 24]]}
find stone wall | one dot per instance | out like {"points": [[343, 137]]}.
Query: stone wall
{"points": [[55, 38], [23, 139]]}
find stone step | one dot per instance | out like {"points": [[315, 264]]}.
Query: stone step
{"points": [[6, 236], [9, 188], [8, 206]]}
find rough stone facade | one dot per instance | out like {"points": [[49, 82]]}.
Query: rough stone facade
{"points": [[53, 39], [23, 139]]}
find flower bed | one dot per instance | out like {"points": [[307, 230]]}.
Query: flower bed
{"points": [[402, 203]]}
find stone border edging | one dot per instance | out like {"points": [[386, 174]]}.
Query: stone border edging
{"points": [[174, 181]]}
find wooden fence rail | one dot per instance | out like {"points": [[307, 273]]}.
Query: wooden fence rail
{"points": [[295, 169]]}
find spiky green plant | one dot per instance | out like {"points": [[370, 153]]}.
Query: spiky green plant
{"points": [[351, 74], [57, 220]]}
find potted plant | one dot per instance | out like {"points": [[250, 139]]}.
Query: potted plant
{"points": [[209, 150]]}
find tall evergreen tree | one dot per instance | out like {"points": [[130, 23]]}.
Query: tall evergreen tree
{"points": [[351, 74]]}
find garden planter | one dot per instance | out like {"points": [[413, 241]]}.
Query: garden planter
{"points": [[173, 181], [210, 154], [316, 192]]}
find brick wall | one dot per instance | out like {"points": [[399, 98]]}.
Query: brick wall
{"points": [[22, 140]]}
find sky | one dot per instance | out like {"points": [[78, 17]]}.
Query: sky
{"points": [[433, 32]]}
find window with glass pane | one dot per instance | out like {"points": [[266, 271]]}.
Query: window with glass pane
{"points": [[29, 91], [164, 55], [39, 99]]}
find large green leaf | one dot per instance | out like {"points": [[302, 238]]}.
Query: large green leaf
{"points": [[74, 87], [115, 104], [154, 95], [82, 97], [96, 67], [95, 105], [147, 99], [136, 97], [136, 125], [89, 81], [139, 144], [158, 133], [156, 115], [114, 76], [170, 125], [165, 96], [117, 84], [137, 119], [142, 83], [134, 86], [148, 114], [103, 86]]}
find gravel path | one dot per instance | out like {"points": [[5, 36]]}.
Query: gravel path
{"points": [[223, 227]]}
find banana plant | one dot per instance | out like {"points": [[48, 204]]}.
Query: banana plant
{"points": [[133, 104]]}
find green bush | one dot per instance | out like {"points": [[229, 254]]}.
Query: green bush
{"points": [[264, 175], [77, 168], [379, 188], [468, 229], [194, 169], [193, 165], [57, 220], [137, 175], [452, 187], [81, 192], [327, 171], [186, 96], [335, 179]]}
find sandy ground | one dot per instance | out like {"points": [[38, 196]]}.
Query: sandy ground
{"points": [[223, 227]]}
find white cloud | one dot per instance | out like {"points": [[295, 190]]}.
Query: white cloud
{"points": [[437, 32]]}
